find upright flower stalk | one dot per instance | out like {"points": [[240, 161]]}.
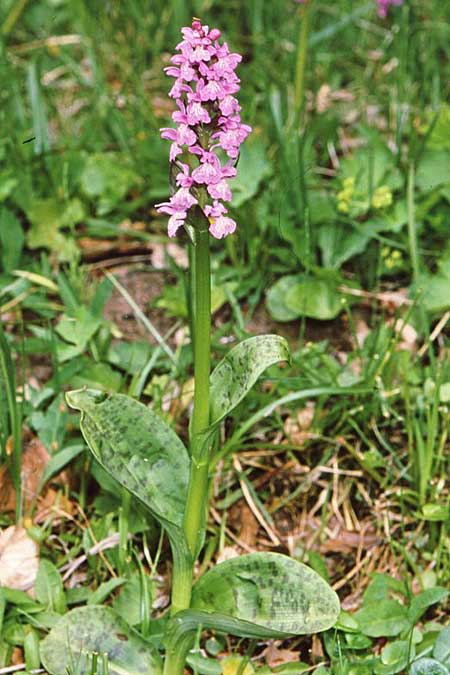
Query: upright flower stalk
{"points": [[206, 140], [204, 150]]}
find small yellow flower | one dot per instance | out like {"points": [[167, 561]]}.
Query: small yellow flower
{"points": [[382, 197], [344, 196], [231, 665], [343, 206]]}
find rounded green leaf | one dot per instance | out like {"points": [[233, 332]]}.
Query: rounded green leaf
{"points": [[276, 298], [428, 667], [441, 650], [85, 630], [315, 298], [236, 374], [271, 591], [137, 448]]}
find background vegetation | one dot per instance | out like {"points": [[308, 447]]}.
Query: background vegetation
{"points": [[343, 205]]}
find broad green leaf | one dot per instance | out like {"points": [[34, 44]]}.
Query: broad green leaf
{"points": [[58, 461], [441, 650], [107, 179], [397, 655], [49, 588], [314, 298], [76, 330], [428, 667], [338, 243], [433, 170], [203, 665], [97, 629], [422, 601], [138, 449], [97, 376], [47, 217], [436, 291], [276, 298], [384, 618], [253, 167], [236, 374], [435, 512], [269, 591], [128, 603]]}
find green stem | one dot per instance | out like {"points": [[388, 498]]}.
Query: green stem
{"points": [[300, 65], [194, 521], [182, 575], [412, 232], [13, 16], [184, 552], [124, 526]]}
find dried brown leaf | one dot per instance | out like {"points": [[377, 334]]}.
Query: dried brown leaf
{"points": [[19, 559]]}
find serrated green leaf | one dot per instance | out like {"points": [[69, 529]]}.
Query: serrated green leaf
{"points": [[137, 448], [236, 374], [97, 629], [270, 591]]}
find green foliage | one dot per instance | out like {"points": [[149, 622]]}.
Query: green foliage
{"points": [[314, 296], [138, 449], [87, 630], [274, 593], [236, 374]]}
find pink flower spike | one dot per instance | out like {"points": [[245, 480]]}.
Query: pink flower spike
{"points": [[220, 190], [207, 117], [196, 113], [175, 222], [184, 179], [221, 226], [383, 6], [206, 173], [214, 34]]}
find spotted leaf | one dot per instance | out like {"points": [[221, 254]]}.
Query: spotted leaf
{"points": [[138, 449], [86, 630], [270, 592], [236, 374]]}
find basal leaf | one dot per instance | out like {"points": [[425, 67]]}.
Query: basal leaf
{"points": [[383, 618], [270, 591], [97, 629], [315, 298], [421, 602], [236, 374], [441, 650], [276, 298], [137, 448], [428, 667]]}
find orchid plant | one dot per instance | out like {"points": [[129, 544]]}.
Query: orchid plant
{"points": [[257, 595]]}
